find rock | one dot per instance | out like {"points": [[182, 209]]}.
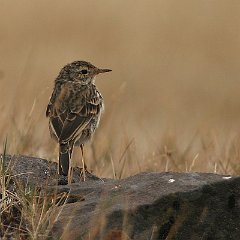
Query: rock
{"points": [[145, 206], [30, 170]]}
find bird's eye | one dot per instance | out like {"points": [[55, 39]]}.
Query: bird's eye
{"points": [[84, 71]]}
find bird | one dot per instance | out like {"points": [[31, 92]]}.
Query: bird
{"points": [[74, 111]]}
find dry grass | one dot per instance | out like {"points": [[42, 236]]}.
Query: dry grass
{"points": [[172, 100], [26, 211]]}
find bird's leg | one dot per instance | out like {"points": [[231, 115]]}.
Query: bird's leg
{"points": [[84, 169], [83, 163]]}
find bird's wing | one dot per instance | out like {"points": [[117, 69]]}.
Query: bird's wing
{"points": [[80, 116], [56, 111], [73, 126], [55, 126], [52, 100]]}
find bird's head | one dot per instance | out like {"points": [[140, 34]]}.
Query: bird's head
{"points": [[81, 72]]}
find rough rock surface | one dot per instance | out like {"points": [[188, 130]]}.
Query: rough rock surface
{"points": [[151, 205]]}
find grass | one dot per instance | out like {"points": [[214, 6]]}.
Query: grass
{"points": [[172, 102], [29, 213], [172, 88], [26, 212]]}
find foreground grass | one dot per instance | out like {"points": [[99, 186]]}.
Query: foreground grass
{"points": [[26, 212]]}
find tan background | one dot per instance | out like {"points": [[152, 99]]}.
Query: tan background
{"points": [[172, 100]]}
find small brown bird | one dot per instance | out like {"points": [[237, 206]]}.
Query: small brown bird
{"points": [[74, 110]]}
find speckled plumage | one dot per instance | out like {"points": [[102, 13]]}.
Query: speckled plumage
{"points": [[74, 108]]}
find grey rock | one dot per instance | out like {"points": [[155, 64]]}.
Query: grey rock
{"points": [[151, 205]]}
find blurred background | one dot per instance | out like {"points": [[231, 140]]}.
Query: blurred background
{"points": [[171, 102]]}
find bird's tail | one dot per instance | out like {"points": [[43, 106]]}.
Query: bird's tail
{"points": [[64, 157]]}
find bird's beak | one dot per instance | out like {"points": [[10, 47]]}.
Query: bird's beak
{"points": [[102, 70]]}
